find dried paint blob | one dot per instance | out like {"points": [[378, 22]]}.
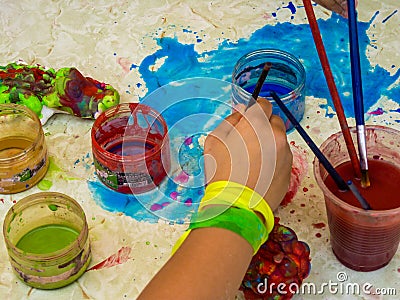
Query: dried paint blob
{"points": [[67, 89], [282, 259]]}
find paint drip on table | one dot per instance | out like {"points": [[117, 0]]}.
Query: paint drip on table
{"points": [[46, 91]]}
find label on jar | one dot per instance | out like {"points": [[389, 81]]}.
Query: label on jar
{"points": [[116, 179], [27, 173]]}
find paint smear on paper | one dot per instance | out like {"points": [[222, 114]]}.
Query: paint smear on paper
{"points": [[118, 258]]}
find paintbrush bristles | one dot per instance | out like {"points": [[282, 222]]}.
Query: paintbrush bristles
{"points": [[365, 179]]}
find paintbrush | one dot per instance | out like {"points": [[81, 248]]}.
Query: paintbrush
{"points": [[332, 88], [259, 84], [357, 92], [341, 184]]}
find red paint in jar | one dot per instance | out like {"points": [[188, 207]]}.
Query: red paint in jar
{"points": [[131, 148]]}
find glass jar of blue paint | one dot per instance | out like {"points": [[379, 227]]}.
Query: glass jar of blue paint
{"points": [[287, 78]]}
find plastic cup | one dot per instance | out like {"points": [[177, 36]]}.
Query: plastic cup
{"points": [[363, 240]]}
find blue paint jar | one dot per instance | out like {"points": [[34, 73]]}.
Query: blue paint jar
{"points": [[286, 78]]}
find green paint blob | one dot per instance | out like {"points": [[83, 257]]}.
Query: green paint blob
{"points": [[53, 169], [53, 207], [45, 185], [47, 239]]}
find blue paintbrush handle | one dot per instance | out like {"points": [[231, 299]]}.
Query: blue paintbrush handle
{"points": [[321, 157], [342, 185], [355, 64]]}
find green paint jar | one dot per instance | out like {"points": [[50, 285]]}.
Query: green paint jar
{"points": [[47, 239]]}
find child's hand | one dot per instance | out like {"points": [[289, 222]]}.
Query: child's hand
{"points": [[338, 6]]}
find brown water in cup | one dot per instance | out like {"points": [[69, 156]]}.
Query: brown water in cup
{"points": [[362, 240]]}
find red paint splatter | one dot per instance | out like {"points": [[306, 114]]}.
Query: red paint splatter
{"points": [[305, 190], [292, 211], [293, 143], [188, 141], [318, 111], [2, 200], [182, 177], [302, 205], [174, 195], [118, 258], [377, 112], [155, 207], [318, 235], [14, 201], [398, 270], [124, 63], [319, 225], [299, 170], [308, 127], [188, 202]]}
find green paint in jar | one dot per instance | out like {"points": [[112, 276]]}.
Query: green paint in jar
{"points": [[47, 239]]}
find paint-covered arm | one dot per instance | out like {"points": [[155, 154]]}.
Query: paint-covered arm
{"points": [[212, 261]]}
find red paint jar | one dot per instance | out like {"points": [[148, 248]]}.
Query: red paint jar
{"points": [[131, 148]]}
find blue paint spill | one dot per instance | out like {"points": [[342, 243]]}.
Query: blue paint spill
{"points": [[141, 207], [171, 200], [182, 61]]}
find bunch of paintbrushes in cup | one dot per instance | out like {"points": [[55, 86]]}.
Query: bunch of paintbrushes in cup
{"points": [[358, 162]]}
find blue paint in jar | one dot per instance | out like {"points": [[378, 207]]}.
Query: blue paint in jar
{"points": [[286, 77]]}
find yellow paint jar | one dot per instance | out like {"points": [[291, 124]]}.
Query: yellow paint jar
{"points": [[47, 239], [23, 152]]}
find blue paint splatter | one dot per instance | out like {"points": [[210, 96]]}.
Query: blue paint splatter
{"points": [[182, 61], [149, 207], [389, 16], [291, 7], [395, 110]]}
